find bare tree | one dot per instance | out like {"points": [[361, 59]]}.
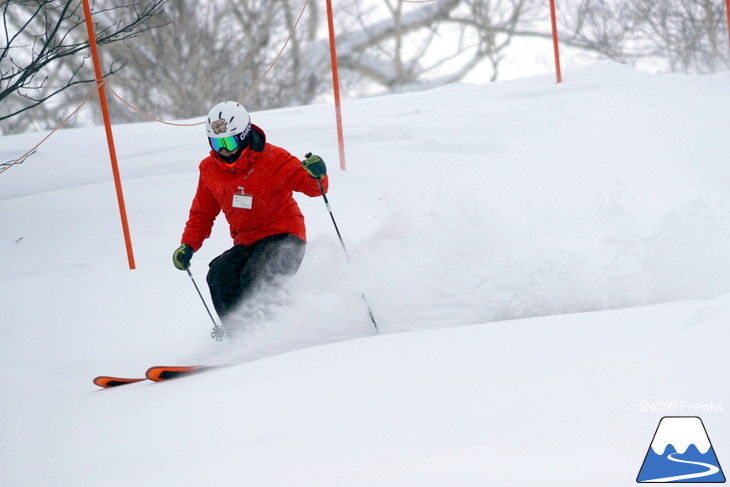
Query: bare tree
{"points": [[687, 33], [419, 46], [220, 49], [213, 51], [677, 35], [45, 47]]}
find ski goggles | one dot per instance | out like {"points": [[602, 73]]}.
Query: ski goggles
{"points": [[229, 143]]}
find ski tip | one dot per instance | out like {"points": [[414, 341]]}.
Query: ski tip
{"points": [[106, 381], [159, 373]]}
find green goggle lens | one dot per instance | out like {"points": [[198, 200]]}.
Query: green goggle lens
{"points": [[228, 143]]}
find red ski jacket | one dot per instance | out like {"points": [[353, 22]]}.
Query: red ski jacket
{"points": [[255, 194]]}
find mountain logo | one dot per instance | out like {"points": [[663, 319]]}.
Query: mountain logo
{"points": [[680, 452]]}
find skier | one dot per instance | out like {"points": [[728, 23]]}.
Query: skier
{"points": [[252, 182]]}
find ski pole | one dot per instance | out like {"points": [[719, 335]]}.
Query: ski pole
{"points": [[218, 331], [342, 242]]}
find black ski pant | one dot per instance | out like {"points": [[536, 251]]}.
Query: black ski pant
{"points": [[238, 273]]}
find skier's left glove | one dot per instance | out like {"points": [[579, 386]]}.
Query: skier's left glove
{"points": [[314, 165], [181, 257]]}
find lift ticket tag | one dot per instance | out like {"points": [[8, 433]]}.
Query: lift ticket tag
{"points": [[242, 200]]}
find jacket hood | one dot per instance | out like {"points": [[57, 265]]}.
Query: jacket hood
{"points": [[256, 146]]}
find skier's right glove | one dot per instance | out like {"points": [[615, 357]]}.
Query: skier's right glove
{"points": [[314, 165], [181, 257]]}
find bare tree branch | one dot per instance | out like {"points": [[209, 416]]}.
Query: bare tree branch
{"points": [[44, 38]]}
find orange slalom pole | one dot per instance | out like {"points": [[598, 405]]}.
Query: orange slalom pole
{"points": [[109, 136], [556, 50], [336, 83], [727, 12]]}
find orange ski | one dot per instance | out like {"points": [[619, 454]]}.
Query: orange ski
{"points": [[105, 381], [162, 372], [158, 373]]}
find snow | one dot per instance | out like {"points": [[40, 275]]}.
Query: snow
{"points": [[680, 433], [543, 261]]}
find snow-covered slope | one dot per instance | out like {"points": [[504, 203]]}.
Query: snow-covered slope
{"points": [[555, 257]]}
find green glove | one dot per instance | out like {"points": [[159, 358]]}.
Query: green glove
{"points": [[314, 165], [181, 257]]}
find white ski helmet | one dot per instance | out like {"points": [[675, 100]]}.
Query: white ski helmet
{"points": [[228, 119]]}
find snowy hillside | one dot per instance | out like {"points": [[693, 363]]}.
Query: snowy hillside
{"points": [[543, 261]]}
